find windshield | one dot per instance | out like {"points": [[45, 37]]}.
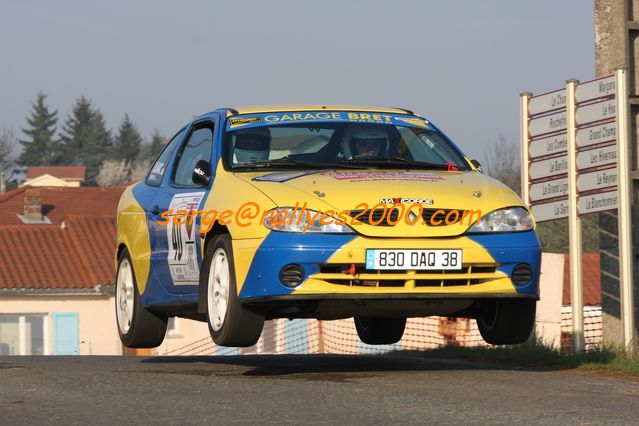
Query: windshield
{"points": [[275, 142]]}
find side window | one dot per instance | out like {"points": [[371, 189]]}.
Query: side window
{"points": [[156, 173], [198, 147]]}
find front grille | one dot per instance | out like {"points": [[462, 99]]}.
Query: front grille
{"points": [[427, 215], [378, 217], [392, 216], [468, 275]]}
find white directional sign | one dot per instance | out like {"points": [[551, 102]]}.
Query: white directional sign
{"points": [[550, 211], [597, 157], [600, 133], [551, 167], [598, 202], [595, 89], [547, 124], [587, 125], [549, 189], [547, 102], [547, 146], [599, 179], [598, 111]]}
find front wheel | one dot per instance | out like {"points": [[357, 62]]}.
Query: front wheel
{"points": [[230, 324], [506, 321], [138, 327], [380, 331]]}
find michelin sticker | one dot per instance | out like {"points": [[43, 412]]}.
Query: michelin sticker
{"points": [[243, 121], [182, 254]]}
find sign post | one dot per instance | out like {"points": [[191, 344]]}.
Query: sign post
{"points": [[523, 108], [574, 224], [624, 212]]}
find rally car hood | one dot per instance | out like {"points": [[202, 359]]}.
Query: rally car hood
{"points": [[341, 190]]}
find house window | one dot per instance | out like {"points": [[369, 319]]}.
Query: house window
{"points": [[173, 327], [22, 334]]}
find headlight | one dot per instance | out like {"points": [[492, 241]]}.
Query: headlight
{"points": [[512, 219], [296, 220]]}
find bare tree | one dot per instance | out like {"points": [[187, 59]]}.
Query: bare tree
{"points": [[113, 172], [139, 169], [8, 146], [503, 163]]}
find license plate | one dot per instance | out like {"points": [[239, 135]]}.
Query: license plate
{"points": [[422, 260]]}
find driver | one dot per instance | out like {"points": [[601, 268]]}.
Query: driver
{"points": [[251, 145], [364, 141]]}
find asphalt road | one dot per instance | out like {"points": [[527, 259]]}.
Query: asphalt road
{"points": [[319, 389]]}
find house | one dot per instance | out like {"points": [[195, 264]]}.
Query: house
{"points": [[66, 176], [57, 273], [56, 270]]}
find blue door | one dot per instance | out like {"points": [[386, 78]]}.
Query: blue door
{"points": [[176, 256], [65, 333]]}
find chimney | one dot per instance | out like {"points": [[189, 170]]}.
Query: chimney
{"points": [[32, 205]]}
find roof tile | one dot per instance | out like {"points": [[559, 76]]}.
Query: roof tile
{"points": [[50, 256]]}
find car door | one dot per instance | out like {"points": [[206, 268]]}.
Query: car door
{"points": [[147, 193], [177, 256]]}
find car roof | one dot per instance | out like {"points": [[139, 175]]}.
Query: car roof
{"points": [[287, 108]]}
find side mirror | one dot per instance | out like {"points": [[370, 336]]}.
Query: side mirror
{"points": [[477, 165], [202, 173]]}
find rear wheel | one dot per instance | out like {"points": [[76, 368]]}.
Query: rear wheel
{"points": [[380, 331], [138, 327], [230, 324], [506, 321]]}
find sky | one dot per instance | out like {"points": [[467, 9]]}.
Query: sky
{"points": [[461, 64]]}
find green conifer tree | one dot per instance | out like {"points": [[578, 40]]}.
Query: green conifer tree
{"points": [[85, 139], [127, 141], [156, 144], [39, 145]]}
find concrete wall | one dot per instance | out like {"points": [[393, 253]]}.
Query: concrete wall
{"points": [[548, 327], [97, 330], [97, 333], [186, 332]]}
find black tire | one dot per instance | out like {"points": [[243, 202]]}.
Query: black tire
{"points": [[147, 328], [380, 331], [239, 326], [506, 321]]}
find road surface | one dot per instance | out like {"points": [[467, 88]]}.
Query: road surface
{"points": [[315, 389]]}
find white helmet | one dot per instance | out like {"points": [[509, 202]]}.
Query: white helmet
{"points": [[252, 145], [367, 141]]}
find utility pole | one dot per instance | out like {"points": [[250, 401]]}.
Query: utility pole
{"points": [[616, 36]]}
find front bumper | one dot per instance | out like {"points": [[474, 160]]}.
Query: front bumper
{"points": [[488, 263]]}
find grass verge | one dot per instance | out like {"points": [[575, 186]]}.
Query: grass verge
{"points": [[537, 355]]}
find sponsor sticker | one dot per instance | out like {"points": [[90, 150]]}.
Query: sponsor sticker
{"points": [[375, 176], [182, 253], [243, 121], [267, 119], [401, 200], [415, 121]]}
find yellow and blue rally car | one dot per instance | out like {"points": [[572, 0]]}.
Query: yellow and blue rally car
{"points": [[321, 212]]}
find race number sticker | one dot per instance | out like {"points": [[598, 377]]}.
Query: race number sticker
{"points": [[182, 253]]}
